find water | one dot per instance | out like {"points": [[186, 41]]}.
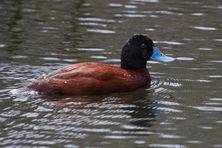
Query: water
{"points": [[181, 109]]}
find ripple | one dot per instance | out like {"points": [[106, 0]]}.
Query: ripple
{"points": [[113, 116], [153, 62], [216, 61], [217, 145], [139, 142], [208, 108], [219, 40], [30, 115], [113, 60], [204, 28], [118, 137], [93, 24], [213, 103], [90, 49], [98, 57], [195, 80], [50, 59], [205, 127], [168, 136], [194, 141], [2, 119], [10, 113], [169, 42], [97, 130], [169, 103], [15, 91], [168, 145], [153, 16], [21, 94], [130, 6], [2, 45], [202, 80], [29, 10], [197, 14], [148, 1], [132, 132], [20, 57], [132, 127], [104, 31], [160, 90], [215, 99], [173, 84], [50, 28], [150, 29], [167, 109], [160, 12], [220, 122], [115, 5], [179, 118], [43, 109], [86, 4], [70, 60], [130, 15], [164, 12], [44, 31], [205, 49], [219, 7], [215, 76], [156, 84], [96, 20], [185, 58]]}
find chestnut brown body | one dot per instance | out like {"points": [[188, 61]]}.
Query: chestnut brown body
{"points": [[91, 78]]}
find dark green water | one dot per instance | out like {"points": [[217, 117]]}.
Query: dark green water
{"points": [[183, 107]]}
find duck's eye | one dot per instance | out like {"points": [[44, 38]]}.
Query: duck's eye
{"points": [[143, 45]]}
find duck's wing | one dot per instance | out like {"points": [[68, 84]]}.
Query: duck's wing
{"points": [[92, 70]]}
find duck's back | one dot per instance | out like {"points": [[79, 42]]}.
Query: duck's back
{"points": [[91, 78]]}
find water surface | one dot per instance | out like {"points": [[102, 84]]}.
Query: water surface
{"points": [[181, 109]]}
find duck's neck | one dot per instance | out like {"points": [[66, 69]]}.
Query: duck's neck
{"points": [[132, 64]]}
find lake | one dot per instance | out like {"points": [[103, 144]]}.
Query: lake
{"points": [[182, 108]]}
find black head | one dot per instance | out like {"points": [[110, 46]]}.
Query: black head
{"points": [[136, 52]]}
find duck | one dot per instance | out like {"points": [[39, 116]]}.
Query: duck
{"points": [[94, 78]]}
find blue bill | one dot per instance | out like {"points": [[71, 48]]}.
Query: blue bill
{"points": [[158, 56]]}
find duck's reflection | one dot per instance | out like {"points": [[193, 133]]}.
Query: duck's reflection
{"points": [[143, 114], [137, 105]]}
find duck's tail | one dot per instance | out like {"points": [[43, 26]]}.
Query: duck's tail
{"points": [[43, 86]]}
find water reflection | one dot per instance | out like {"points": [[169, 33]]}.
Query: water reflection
{"points": [[37, 37], [15, 27], [143, 114], [204, 28], [137, 104]]}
